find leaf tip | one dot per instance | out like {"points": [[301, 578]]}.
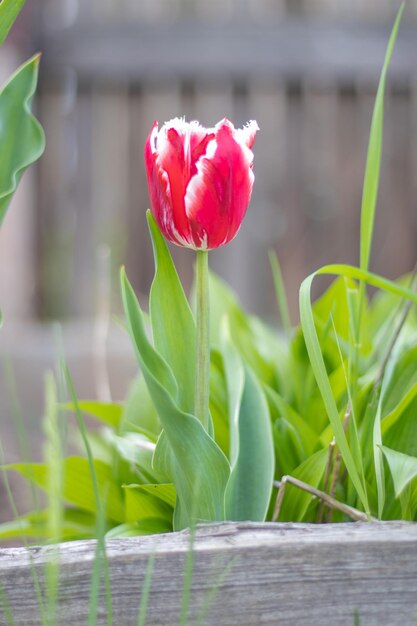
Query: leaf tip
{"points": [[123, 276]]}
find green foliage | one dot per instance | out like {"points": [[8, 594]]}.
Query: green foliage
{"points": [[185, 451], [373, 162], [22, 139], [174, 334], [296, 502], [9, 10], [251, 451], [280, 402]]}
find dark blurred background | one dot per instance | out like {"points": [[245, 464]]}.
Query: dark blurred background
{"points": [[306, 70]]}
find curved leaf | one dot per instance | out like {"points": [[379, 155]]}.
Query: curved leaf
{"points": [[149, 526], [251, 442], [9, 10], [22, 139], [140, 505], [373, 161], [173, 325], [78, 484], [250, 485], [403, 468], [196, 465], [109, 413], [296, 501], [318, 364]]}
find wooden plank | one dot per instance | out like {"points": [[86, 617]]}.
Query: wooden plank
{"points": [[194, 49], [278, 574]]}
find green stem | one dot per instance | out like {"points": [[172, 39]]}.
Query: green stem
{"points": [[202, 381]]}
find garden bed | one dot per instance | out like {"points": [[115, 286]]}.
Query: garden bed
{"points": [[292, 574]]}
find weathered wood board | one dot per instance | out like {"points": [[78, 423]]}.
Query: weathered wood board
{"points": [[278, 574]]}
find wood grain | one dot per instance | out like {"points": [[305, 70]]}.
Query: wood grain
{"points": [[280, 574]]}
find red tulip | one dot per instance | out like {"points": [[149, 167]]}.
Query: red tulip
{"points": [[200, 180]]}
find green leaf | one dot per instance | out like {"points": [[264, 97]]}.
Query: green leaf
{"points": [[193, 461], [139, 411], [403, 377], [137, 451], [252, 451], [402, 434], [279, 408], [369, 196], [280, 292], [392, 417], [165, 492], [235, 382], [377, 434], [77, 484], [219, 402], [402, 466], [22, 139], [253, 339], [296, 501], [223, 302], [317, 360], [141, 504], [53, 453], [323, 382], [76, 525], [107, 412], [372, 171], [150, 526], [173, 324], [9, 10]]}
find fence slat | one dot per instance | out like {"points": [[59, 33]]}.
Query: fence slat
{"points": [[195, 49], [278, 574]]}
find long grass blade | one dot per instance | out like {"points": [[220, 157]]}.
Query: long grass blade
{"points": [[280, 292], [371, 184], [188, 579], [208, 602], [53, 460], [355, 443], [373, 162], [9, 10], [144, 599], [19, 424], [100, 557], [12, 502], [5, 606]]}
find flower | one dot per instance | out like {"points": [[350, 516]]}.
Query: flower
{"points": [[200, 180]]}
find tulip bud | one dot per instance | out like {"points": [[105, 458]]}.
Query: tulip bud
{"points": [[200, 180]]}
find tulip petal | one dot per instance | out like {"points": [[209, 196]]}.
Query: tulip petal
{"points": [[159, 188], [218, 195], [247, 134], [170, 159]]}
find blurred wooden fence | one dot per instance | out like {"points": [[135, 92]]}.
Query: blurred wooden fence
{"points": [[306, 70]]}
